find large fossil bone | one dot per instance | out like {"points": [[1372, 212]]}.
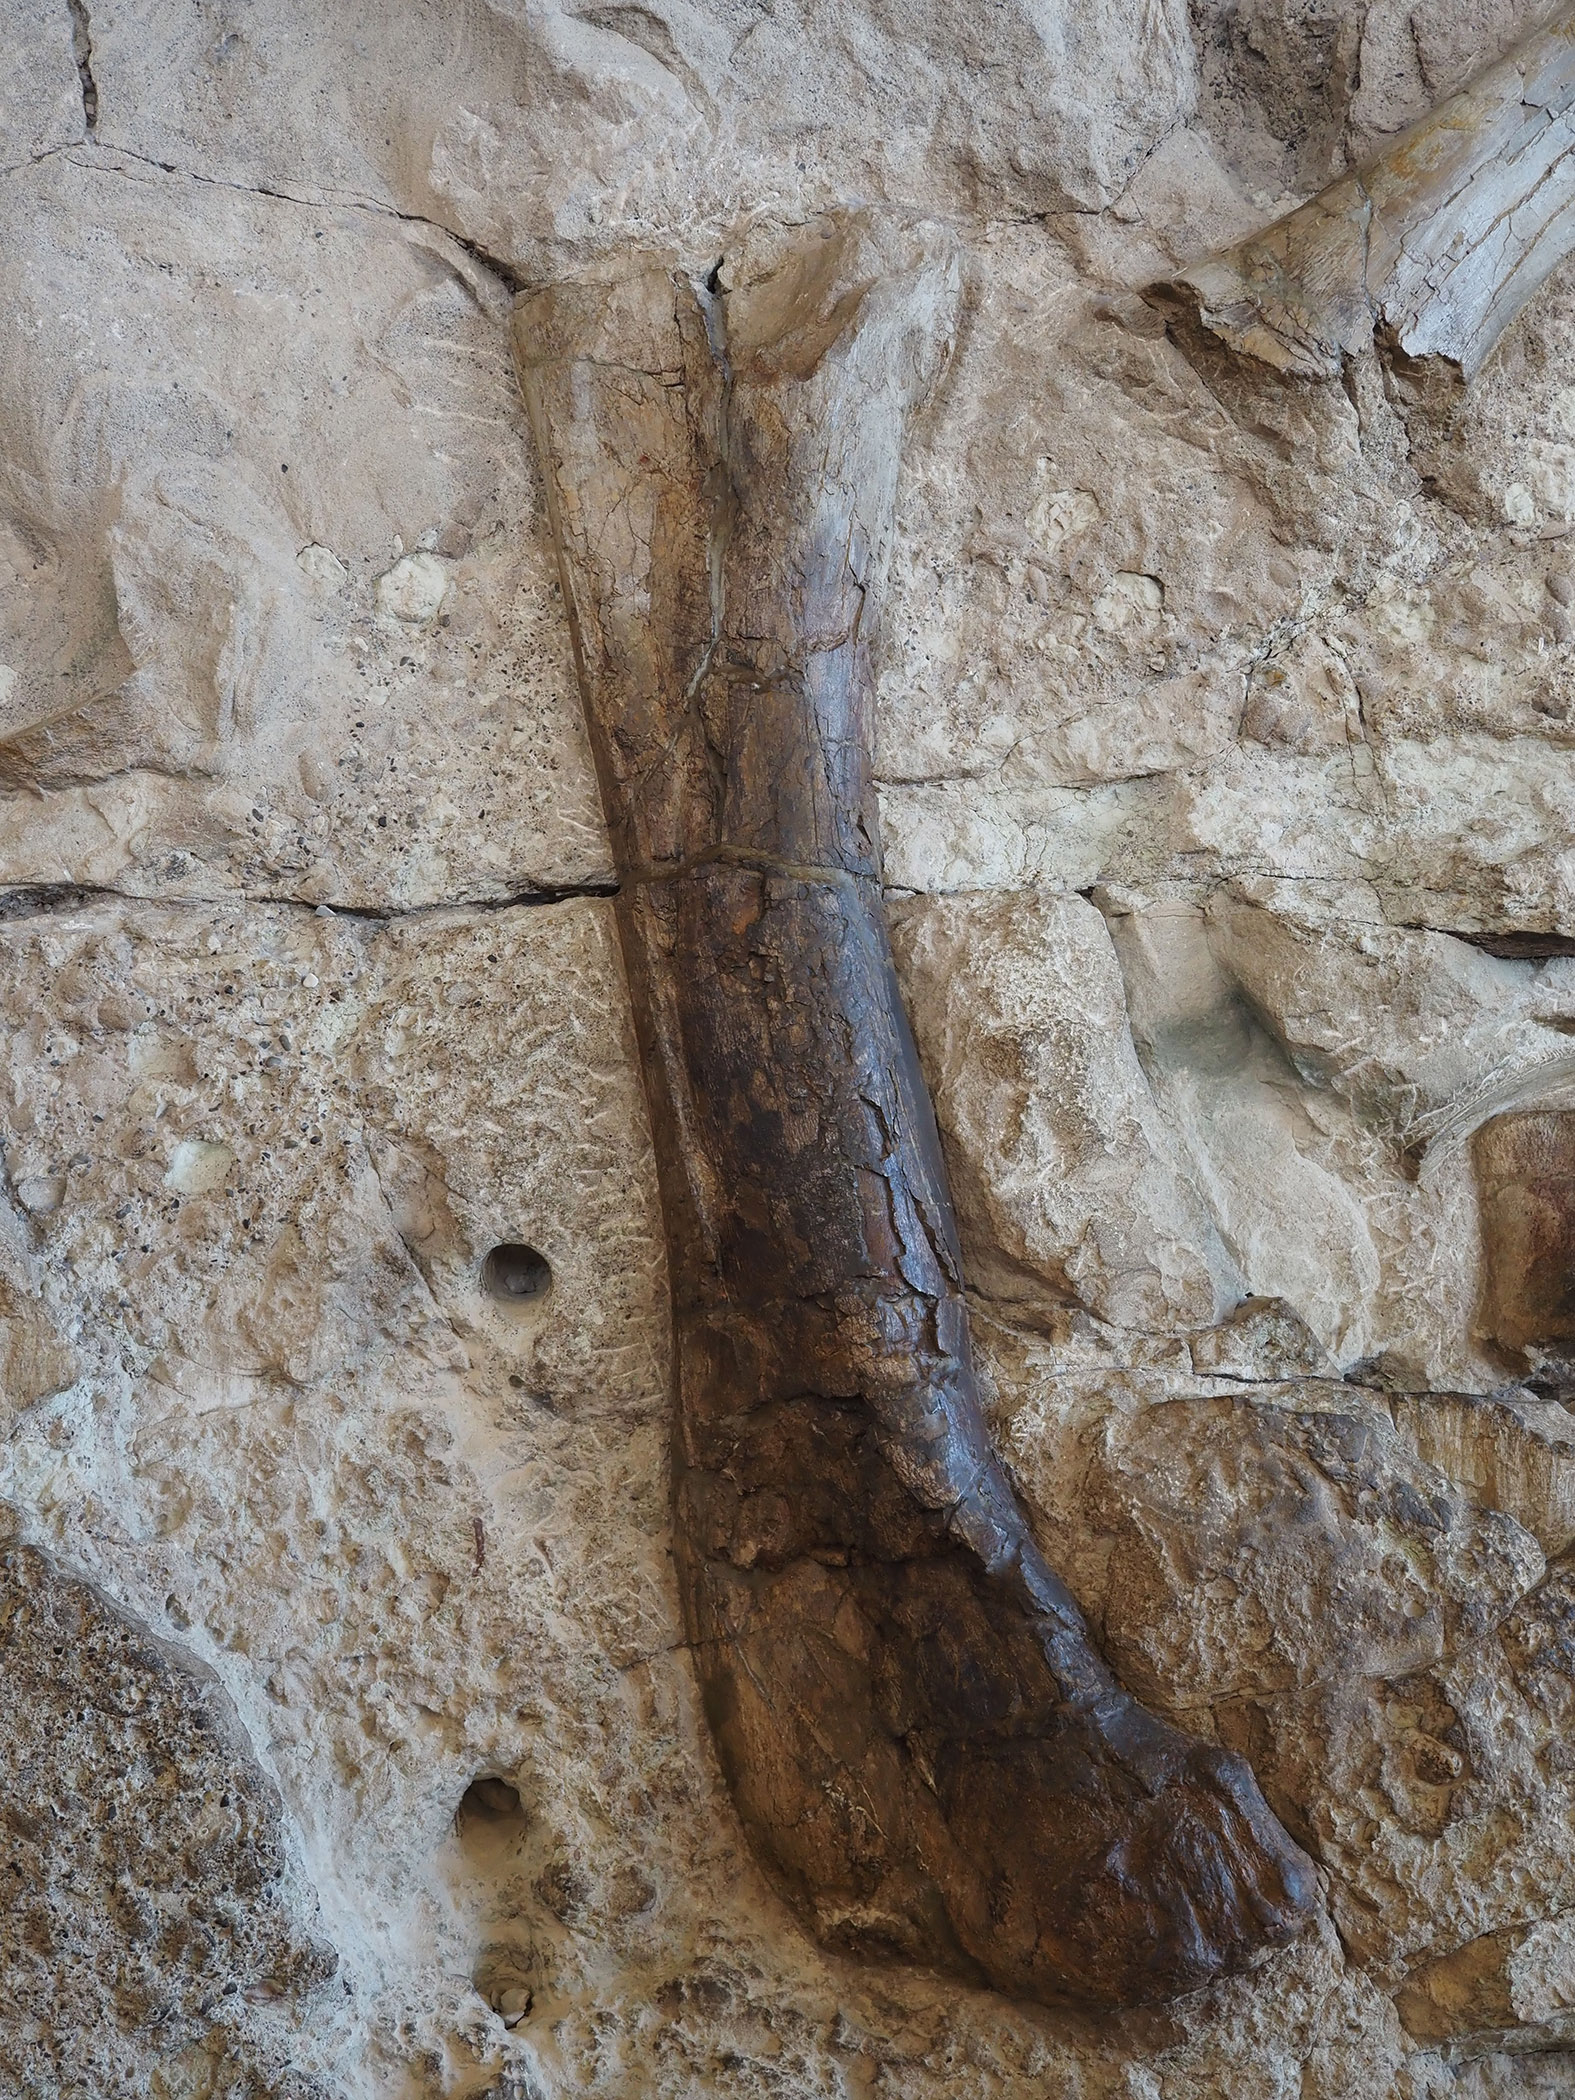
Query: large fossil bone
{"points": [[926, 1751], [1434, 247]]}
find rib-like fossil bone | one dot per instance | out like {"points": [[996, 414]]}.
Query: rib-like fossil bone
{"points": [[1435, 246], [927, 1753]]}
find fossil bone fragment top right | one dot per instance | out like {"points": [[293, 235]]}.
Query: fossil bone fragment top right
{"points": [[1433, 247]]}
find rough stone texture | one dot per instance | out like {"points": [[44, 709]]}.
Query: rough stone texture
{"points": [[541, 131], [1061, 1163], [145, 1859], [1280, 679], [235, 622]]}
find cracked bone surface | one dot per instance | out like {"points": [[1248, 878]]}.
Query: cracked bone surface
{"points": [[929, 1756], [1435, 245]]}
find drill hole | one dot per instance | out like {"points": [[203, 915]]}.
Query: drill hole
{"points": [[515, 1274], [490, 1823], [491, 1801]]}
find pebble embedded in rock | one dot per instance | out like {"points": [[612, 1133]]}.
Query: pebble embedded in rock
{"points": [[413, 589]]}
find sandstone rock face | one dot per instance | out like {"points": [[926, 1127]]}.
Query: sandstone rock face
{"points": [[229, 628], [349, 1744], [145, 1901], [1059, 1158]]}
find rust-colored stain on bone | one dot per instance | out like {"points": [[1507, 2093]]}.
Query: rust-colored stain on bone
{"points": [[1526, 1172]]}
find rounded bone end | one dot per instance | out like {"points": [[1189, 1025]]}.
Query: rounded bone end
{"points": [[918, 1789], [1125, 1863]]}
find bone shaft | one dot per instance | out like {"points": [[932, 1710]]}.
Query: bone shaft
{"points": [[721, 525], [926, 1751]]}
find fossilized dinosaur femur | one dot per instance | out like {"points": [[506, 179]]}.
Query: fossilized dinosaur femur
{"points": [[927, 1753]]}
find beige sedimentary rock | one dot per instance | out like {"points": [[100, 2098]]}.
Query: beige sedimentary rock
{"points": [[147, 1863], [1063, 1168], [1279, 677]]}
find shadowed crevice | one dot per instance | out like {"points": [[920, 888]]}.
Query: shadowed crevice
{"points": [[82, 53]]}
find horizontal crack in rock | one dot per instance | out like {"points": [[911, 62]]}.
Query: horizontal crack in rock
{"points": [[38, 900]]}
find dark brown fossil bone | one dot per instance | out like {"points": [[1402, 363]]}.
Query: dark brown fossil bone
{"points": [[926, 1751], [1433, 247]]}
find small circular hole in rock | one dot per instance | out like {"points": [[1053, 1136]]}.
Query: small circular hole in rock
{"points": [[503, 1979], [492, 1831], [490, 1797], [490, 1820], [515, 1274]]}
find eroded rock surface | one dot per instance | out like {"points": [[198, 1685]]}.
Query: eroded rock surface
{"points": [[1224, 767], [1062, 1164], [147, 1897]]}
